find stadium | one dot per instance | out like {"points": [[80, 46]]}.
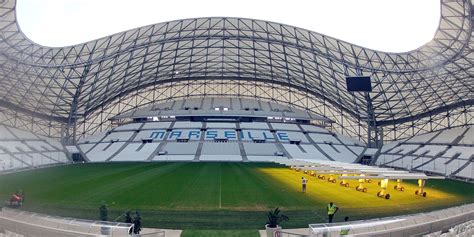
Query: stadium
{"points": [[203, 126]]}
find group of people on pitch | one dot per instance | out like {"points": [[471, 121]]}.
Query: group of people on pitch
{"points": [[331, 208]]}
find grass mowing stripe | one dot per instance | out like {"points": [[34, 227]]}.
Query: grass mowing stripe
{"points": [[220, 187]]}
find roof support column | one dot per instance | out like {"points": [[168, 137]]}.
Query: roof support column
{"points": [[374, 133]]}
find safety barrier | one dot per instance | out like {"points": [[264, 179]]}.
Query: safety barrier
{"points": [[408, 225], [34, 224]]}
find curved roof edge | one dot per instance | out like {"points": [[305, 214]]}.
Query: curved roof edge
{"points": [[59, 82]]}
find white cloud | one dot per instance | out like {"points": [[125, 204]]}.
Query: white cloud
{"points": [[387, 25]]}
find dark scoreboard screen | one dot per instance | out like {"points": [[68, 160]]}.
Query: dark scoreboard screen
{"points": [[358, 84]]}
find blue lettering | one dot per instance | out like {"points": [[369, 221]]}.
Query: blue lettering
{"points": [[283, 136], [230, 134], [175, 133], [195, 134], [267, 137], [154, 135], [250, 135], [211, 134]]}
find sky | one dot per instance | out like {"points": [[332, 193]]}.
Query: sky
{"points": [[385, 25]]}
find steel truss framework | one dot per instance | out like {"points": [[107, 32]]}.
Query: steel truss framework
{"points": [[58, 91]]}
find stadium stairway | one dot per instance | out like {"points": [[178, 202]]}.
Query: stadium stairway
{"points": [[241, 145], [127, 142], [162, 143], [313, 142], [199, 148], [278, 144]]}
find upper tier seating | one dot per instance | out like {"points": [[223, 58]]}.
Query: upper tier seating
{"points": [[324, 138], [312, 128], [422, 138], [118, 136], [349, 141], [156, 125], [127, 127], [94, 138], [255, 125], [430, 150], [220, 125], [187, 124], [449, 135], [436, 152], [285, 126], [468, 137]]}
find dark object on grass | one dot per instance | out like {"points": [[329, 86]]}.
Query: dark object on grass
{"points": [[103, 212], [128, 217]]}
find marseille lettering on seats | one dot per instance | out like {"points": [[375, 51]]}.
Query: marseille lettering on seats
{"points": [[211, 134]]}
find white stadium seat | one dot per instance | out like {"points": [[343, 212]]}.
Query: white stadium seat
{"points": [[304, 152], [220, 125], [156, 125], [468, 138], [118, 136], [187, 124], [130, 126], [324, 138], [180, 148], [103, 151], [256, 149], [447, 136], [285, 126], [422, 138], [5, 134], [131, 152], [214, 148], [255, 125], [220, 158], [312, 128], [467, 172], [430, 150]]}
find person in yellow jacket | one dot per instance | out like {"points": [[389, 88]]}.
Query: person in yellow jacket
{"points": [[332, 209]]}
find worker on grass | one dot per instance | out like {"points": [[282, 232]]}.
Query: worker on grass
{"points": [[303, 184], [332, 209]]}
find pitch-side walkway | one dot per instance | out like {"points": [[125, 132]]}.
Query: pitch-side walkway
{"points": [[295, 232], [168, 233]]}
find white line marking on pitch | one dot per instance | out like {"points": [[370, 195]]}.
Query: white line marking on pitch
{"points": [[220, 188]]}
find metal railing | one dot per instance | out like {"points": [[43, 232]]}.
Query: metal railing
{"points": [[407, 225], [34, 224]]}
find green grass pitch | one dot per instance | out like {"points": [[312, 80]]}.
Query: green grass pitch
{"points": [[215, 196]]}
